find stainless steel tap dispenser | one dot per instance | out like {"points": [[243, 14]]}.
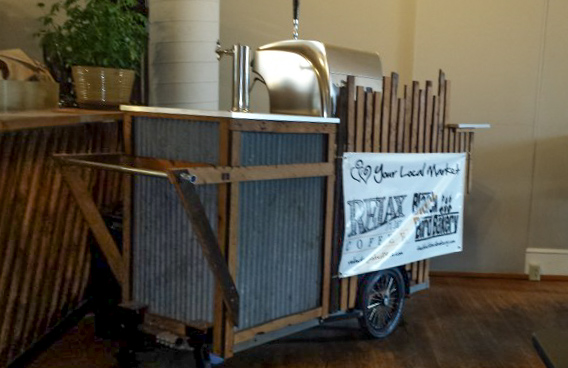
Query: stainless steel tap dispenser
{"points": [[241, 75]]}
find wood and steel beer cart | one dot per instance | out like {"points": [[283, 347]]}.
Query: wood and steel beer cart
{"points": [[258, 258]]}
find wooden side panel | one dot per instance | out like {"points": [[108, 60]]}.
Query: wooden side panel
{"points": [[44, 255]]}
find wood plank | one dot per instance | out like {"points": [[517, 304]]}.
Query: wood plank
{"points": [[16, 121], [211, 251], [385, 121], [420, 279], [400, 133], [435, 126], [228, 174], [94, 219], [368, 141], [470, 162], [222, 231], [349, 146], [414, 134], [441, 109], [233, 237], [328, 234], [282, 127], [377, 106], [447, 93], [428, 117], [278, 324], [421, 120], [407, 118], [360, 124], [393, 113], [414, 272]]}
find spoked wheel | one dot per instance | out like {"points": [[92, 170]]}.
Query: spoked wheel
{"points": [[381, 299]]}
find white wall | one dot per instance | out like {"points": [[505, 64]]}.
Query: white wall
{"points": [[506, 60]]}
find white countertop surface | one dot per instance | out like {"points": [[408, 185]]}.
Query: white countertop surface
{"points": [[229, 114]]}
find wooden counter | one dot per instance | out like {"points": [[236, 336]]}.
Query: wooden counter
{"points": [[44, 252], [13, 121]]}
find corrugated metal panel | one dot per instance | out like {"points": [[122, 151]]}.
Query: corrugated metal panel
{"points": [[280, 149], [280, 230], [170, 273]]}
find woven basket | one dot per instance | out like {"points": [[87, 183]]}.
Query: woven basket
{"points": [[102, 87]]}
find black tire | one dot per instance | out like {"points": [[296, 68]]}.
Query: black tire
{"points": [[381, 299]]}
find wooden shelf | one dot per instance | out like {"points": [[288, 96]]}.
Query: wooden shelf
{"points": [[21, 120]]}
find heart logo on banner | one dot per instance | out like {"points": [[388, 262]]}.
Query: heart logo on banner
{"points": [[361, 172]]}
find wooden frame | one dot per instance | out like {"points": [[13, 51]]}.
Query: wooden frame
{"points": [[220, 249]]}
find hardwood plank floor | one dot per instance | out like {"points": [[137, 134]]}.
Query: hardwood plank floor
{"points": [[458, 322]]}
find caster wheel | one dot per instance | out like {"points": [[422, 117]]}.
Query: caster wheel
{"points": [[381, 299]]}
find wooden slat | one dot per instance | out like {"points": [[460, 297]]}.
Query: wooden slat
{"points": [[407, 118], [282, 127], [385, 118], [393, 113], [211, 251], [470, 162], [233, 237], [328, 230], [435, 126], [441, 109], [428, 117], [17, 121], [360, 125], [368, 139], [227, 174], [222, 226], [94, 219], [421, 120], [358, 146], [377, 106], [400, 126], [415, 272], [349, 146], [420, 279], [414, 134], [295, 319]]}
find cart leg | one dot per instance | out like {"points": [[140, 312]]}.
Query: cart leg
{"points": [[202, 356]]}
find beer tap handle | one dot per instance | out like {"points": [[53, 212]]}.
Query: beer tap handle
{"points": [[296, 18]]}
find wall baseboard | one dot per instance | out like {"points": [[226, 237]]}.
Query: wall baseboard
{"points": [[508, 276], [551, 261]]}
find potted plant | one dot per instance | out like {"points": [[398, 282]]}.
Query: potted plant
{"points": [[103, 41]]}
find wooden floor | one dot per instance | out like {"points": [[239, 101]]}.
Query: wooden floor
{"points": [[458, 322]]}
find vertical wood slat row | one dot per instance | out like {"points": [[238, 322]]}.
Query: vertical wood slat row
{"points": [[44, 255], [417, 122]]}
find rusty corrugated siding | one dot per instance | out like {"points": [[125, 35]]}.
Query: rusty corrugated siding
{"points": [[170, 273], [280, 230]]}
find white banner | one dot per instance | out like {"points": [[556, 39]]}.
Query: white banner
{"points": [[400, 208]]}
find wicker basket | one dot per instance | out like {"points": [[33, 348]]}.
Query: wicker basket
{"points": [[97, 87]]}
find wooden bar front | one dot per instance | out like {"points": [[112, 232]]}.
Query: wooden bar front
{"points": [[44, 250]]}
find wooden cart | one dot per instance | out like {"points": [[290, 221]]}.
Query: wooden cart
{"points": [[261, 192]]}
